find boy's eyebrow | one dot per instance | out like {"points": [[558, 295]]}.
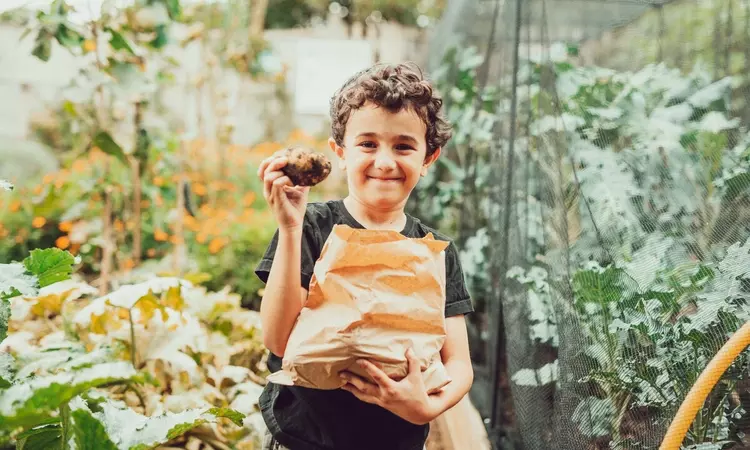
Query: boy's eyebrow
{"points": [[401, 137]]}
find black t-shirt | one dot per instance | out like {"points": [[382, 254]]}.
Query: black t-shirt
{"points": [[312, 419]]}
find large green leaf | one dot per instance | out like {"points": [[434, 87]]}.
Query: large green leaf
{"points": [[42, 437], [27, 402], [132, 431], [104, 141], [50, 265], [89, 433], [14, 280]]}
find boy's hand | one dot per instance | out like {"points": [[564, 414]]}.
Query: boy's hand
{"points": [[287, 201], [406, 398]]}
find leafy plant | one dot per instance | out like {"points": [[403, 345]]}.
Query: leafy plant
{"points": [[61, 389]]}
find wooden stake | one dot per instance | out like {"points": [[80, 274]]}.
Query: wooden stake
{"points": [[107, 247]]}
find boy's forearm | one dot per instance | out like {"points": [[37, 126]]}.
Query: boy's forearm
{"points": [[462, 377], [282, 297]]}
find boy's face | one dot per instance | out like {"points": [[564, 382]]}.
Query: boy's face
{"points": [[384, 155]]}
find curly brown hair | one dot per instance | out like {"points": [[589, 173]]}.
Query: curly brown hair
{"points": [[393, 87]]}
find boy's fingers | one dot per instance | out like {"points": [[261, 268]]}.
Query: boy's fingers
{"points": [[268, 182], [378, 375], [274, 165], [414, 366], [360, 384]]}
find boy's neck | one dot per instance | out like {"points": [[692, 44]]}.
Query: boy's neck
{"points": [[391, 219]]}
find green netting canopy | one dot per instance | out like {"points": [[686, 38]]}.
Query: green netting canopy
{"points": [[598, 184]]}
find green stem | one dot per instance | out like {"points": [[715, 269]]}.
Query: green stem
{"points": [[66, 425]]}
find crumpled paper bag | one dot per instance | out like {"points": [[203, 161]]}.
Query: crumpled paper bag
{"points": [[373, 294]]}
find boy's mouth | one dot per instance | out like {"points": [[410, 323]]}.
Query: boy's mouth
{"points": [[384, 179]]}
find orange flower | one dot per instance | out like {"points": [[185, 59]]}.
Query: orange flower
{"points": [[199, 189], [151, 252], [89, 45], [128, 263], [38, 189], [79, 166], [15, 206], [48, 178], [249, 198], [38, 222], [145, 203], [119, 226], [65, 226], [216, 244], [158, 181], [62, 242], [160, 235], [201, 238]]}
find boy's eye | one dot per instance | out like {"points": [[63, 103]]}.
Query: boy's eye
{"points": [[404, 147], [367, 144]]}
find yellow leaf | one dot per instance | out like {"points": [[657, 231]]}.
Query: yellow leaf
{"points": [[102, 324], [49, 304], [148, 305], [173, 298], [198, 277]]}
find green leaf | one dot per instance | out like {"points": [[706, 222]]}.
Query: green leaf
{"points": [[41, 437], [736, 186], [230, 414], [594, 416], [4, 318], [68, 38], [173, 6], [43, 46], [50, 265], [119, 42], [161, 38], [133, 431], [89, 433], [70, 108], [28, 401], [104, 141], [7, 364]]}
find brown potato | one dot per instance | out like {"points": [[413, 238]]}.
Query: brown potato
{"points": [[306, 167]]}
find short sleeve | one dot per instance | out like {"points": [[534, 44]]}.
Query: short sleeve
{"points": [[458, 300], [310, 251]]}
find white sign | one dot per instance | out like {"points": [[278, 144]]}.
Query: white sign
{"points": [[322, 67]]}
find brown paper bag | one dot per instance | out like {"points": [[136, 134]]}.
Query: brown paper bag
{"points": [[373, 294]]}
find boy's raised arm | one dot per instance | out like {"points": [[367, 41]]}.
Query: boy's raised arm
{"points": [[284, 295]]}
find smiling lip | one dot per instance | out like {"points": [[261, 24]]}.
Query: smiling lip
{"points": [[385, 179]]}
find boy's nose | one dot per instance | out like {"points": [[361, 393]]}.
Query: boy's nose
{"points": [[384, 161]]}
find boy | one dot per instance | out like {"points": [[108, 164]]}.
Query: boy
{"points": [[387, 130]]}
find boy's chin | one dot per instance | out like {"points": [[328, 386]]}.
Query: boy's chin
{"points": [[383, 200]]}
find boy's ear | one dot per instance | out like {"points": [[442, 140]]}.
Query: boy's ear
{"points": [[339, 151], [430, 160]]}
